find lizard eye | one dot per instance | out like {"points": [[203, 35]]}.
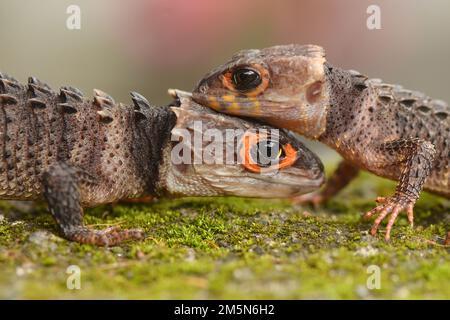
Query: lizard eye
{"points": [[262, 154], [249, 80], [266, 152], [246, 79]]}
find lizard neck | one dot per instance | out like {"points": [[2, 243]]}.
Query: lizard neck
{"points": [[345, 90], [152, 138]]}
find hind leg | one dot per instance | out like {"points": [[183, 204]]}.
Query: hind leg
{"points": [[62, 184]]}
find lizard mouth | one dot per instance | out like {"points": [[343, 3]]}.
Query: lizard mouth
{"points": [[298, 185], [239, 105], [261, 186], [299, 115]]}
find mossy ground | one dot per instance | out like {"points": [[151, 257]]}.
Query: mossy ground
{"points": [[227, 248]]}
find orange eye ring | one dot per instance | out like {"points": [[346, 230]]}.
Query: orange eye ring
{"points": [[228, 82], [249, 163]]}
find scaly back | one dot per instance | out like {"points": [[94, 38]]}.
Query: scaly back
{"points": [[39, 127]]}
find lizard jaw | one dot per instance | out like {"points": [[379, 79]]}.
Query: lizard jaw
{"points": [[294, 114]]}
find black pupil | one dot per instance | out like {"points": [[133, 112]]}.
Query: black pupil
{"points": [[266, 152], [246, 79]]}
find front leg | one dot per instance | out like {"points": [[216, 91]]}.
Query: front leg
{"points": [[414, 158], [62, 184]]}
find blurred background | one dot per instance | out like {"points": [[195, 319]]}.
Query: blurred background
{"points": [[152, 45]]}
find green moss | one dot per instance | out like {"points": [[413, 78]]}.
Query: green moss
{"points": [[232, 248]]}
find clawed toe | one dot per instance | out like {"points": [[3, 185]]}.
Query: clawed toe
{"points": [[389, 206]]}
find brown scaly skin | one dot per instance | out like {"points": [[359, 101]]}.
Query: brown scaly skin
{"points": [[75, 152], [392, 132]]}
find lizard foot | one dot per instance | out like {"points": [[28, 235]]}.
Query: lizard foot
{"points": [[393, 206], [315, 199], [108, 237]]}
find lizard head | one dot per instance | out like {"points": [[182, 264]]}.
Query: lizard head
{"points": [[213, 154], [282, 85]]}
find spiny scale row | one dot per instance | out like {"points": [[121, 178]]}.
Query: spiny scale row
{"points": [[406, 98], [40, 93]]}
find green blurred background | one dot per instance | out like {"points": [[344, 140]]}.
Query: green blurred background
{"points": [[150, 46]]}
